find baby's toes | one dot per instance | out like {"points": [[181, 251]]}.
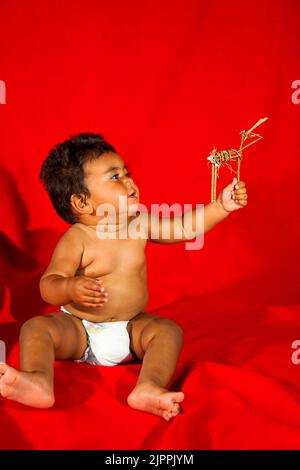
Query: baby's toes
{"points": [[7, 378], [167, 415], [3, 369], [172, 412], [175, 409]]}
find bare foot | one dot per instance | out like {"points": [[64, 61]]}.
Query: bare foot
{"points": [[28, 388], [151, 398]]}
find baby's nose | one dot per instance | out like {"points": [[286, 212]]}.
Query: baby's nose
{"points": [[129, 181]]}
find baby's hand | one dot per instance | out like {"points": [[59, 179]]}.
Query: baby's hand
{"points": [[234, 196], [86, 291]]}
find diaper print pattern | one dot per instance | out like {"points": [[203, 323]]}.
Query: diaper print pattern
{"points": [[95, 328]]}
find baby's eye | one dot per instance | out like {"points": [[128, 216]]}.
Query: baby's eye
{"points": [[117, 174]]}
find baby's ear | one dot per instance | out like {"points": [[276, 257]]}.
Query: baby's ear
{"points": [[80, 204]]}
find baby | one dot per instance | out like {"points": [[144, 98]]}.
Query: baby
{"points": [[97, 275]]}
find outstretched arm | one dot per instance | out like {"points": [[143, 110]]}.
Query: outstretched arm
{"points": [[199, 220]]}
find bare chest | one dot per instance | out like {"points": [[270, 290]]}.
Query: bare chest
{"points": [[104, 257]]}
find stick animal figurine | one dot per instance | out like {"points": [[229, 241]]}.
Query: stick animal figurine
{"points": [[225, 156]]}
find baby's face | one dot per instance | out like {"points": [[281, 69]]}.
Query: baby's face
{"points": [[107, 179]]}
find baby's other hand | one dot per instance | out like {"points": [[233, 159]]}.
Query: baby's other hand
{"points": [[86, 291], [234, 196]]}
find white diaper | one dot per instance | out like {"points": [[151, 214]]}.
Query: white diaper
{"points": [[108, 342]]}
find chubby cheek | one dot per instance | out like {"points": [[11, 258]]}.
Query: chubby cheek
{"points": [[119, 199], [114, 191]]}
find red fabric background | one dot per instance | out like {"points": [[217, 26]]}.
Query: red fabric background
{"points": [[165, 82]]}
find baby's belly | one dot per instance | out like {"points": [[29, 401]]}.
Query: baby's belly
{"points": [[126, 298]]}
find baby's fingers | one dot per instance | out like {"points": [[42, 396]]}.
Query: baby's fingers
{"points": [[95, 295], [242, 202], [241, 197], [239, 185], [94, 285], [240, 191], [89, 301]]}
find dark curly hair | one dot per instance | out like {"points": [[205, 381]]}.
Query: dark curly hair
{"points": [[62, 172]]}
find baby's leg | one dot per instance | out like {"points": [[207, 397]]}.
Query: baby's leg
{"points": [[158, 342], [42, 340]]}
